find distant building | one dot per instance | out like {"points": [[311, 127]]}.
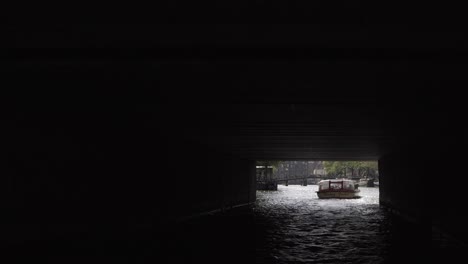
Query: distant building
{"points": [[297, 169]]}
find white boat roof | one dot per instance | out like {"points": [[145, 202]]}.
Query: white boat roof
{"points": [[336, 180]]}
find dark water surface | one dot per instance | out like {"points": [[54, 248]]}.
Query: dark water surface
{"points": [[300, 228], [290, 225]]}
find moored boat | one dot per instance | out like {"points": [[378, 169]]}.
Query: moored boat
{"points": [[367, 182], [338, 188]]}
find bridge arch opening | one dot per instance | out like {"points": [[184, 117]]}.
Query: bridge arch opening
{"points": [[304, 172]]}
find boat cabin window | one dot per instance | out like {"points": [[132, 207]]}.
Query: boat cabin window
{"points": [[336, 185]]}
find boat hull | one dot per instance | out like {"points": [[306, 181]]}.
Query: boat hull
{"points": [[338, 195]]}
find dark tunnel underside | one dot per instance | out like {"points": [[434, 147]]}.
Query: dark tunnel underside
{"points": [[123, 176], [123, 141]]}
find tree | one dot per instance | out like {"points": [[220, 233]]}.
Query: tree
{"points": [[351, 168]]}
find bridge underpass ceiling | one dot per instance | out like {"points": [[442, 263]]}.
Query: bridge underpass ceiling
{"points": [[292, 131], [328, 91]]}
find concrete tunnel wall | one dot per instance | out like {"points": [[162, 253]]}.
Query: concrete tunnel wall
{"points": [[401, 185], [423, 179], [208, 180], [110, 174], [103, 175]]}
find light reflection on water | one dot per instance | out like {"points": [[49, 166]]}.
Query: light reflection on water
{"points": [[302, 228], [292, 225]]}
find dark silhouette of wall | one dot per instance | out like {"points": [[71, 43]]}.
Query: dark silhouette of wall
{"points": [[115, 128], [409, 182], [104, 176]]}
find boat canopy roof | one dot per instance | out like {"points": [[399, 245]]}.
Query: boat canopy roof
{"points": [[336, 184], [335, 180]]}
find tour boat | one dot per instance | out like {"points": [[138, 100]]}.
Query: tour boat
{"points": [[338, 188]]}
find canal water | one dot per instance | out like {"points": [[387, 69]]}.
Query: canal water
{"points": [[292, 225], [297, 227]]}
